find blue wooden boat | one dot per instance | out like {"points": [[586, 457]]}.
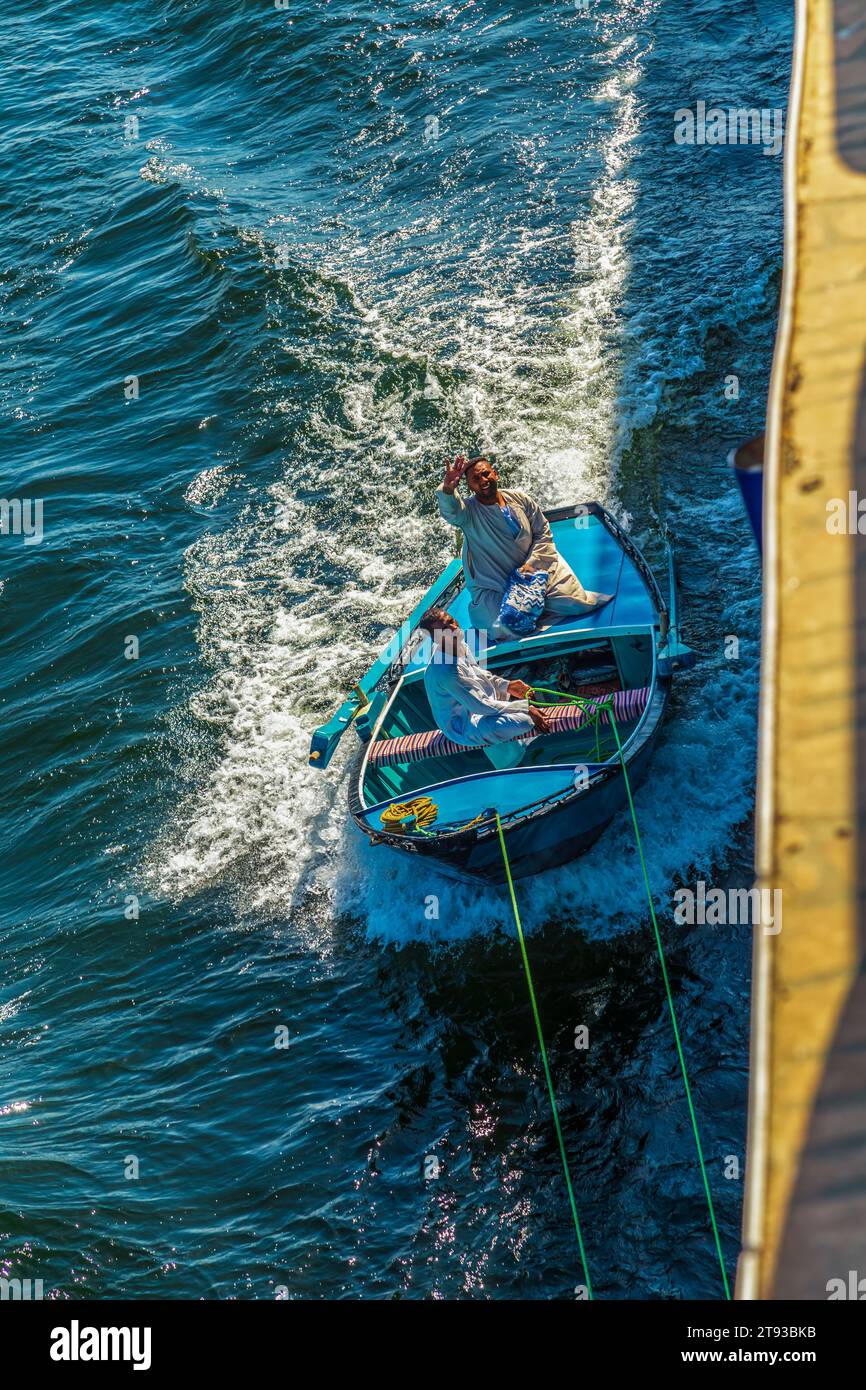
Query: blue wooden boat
{"points": [[569, 785]]}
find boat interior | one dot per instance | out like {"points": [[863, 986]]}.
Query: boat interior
{"points": [[609, 649], [597, 665]]}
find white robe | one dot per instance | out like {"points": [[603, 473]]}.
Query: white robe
{"points": [[472, 706], [491, 551]]}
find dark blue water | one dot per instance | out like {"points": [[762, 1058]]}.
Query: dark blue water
{"points": [[334, 243]]}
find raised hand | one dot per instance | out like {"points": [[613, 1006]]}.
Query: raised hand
{"points": [[454, 472]]}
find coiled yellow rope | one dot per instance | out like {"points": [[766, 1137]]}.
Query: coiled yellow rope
{"points": [[421, 809]]}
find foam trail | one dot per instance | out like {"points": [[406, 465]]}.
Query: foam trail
{"points": [[284, 638]]}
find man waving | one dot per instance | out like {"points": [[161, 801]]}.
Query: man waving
{"points": [[504, 530]]}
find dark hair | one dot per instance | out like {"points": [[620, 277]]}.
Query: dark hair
{"points": [[432, 618]]}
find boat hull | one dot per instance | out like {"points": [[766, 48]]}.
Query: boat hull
{"points": [[544, 839], [546, 820]]}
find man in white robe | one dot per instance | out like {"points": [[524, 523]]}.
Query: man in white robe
{"points": [[505, 530], [471, 705]]}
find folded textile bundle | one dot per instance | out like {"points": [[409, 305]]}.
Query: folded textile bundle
{"points": [[523, 601]]}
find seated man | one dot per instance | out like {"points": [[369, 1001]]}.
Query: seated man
{"points": [[469, 704], [504, 531]]}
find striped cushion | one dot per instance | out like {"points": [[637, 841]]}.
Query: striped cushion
{"points": [[413, 748]]}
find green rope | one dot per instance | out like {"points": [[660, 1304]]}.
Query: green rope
{"points": [[594, 713], [564, 695], [543, 690], [670, 999], [591, 705], [535, 1015]]}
